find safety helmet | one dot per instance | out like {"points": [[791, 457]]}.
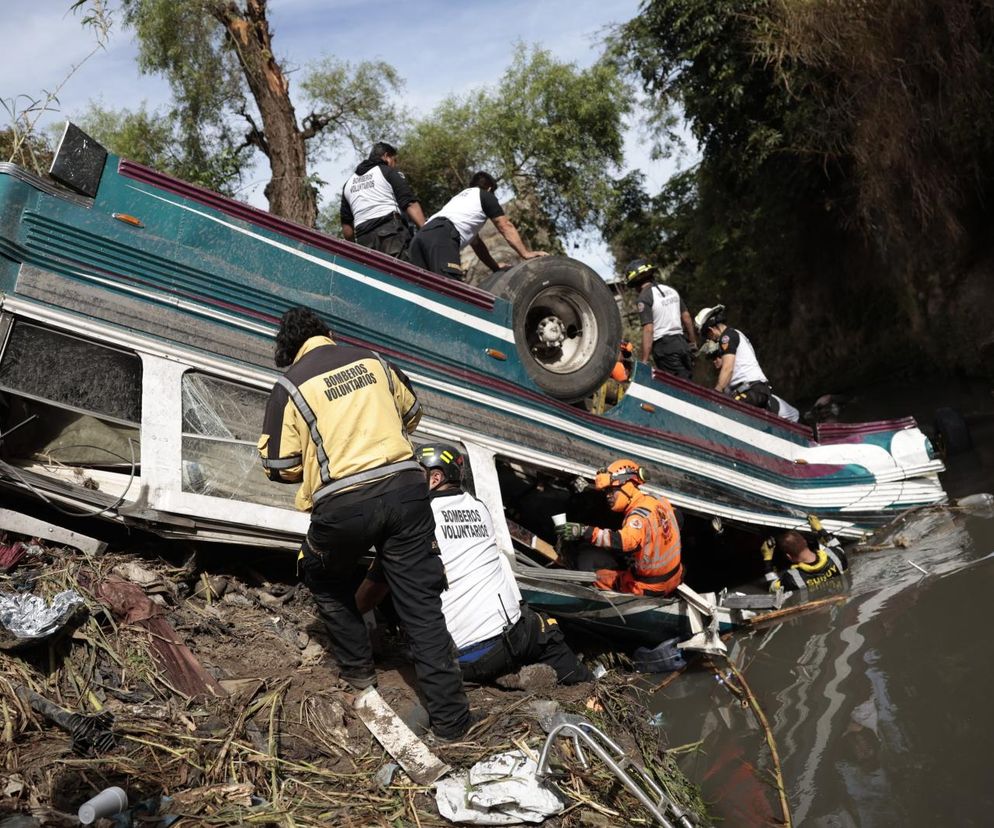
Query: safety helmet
{"points": [[709, 317], [626, 475], [441, 456], [638, 270]]}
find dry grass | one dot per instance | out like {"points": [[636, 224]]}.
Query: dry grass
{"points": [[283, 748]]}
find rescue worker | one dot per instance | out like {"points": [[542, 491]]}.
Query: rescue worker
{"points": [[649, 538], [808, 569], [782, 408], [667, 329], [373, 199], [437, 244], [740, 375], [494, 631], [337, 422]]}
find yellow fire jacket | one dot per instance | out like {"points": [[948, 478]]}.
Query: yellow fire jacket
{"points": [[336, 420]]}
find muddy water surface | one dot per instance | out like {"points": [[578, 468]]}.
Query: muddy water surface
{"points": [[881, 705]]}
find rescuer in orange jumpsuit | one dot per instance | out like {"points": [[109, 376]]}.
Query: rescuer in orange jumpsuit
{"points": [[649, 538]]}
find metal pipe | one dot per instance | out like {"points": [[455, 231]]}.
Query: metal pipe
{"points": [[585, 732]]}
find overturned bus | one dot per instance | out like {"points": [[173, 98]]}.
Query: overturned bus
{"points": [[136, 322]]}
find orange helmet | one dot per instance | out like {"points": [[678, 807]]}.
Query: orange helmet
{"points": [[626, 475]]}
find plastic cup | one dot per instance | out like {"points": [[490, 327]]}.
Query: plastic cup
{"points": [[108, 802], [559, 519]]}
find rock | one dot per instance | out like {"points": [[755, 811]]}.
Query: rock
{"points": [[532, 677], [313, 653]]}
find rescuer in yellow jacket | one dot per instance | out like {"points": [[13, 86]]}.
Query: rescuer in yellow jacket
{"points": [[337, 422], [810, 569], [649, 538]]}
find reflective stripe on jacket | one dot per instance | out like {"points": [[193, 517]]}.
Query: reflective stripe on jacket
{"points": [[337, 419], [650, 538], [831, 562]]}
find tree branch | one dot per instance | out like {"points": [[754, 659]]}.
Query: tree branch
{"points": [[254, 137]]}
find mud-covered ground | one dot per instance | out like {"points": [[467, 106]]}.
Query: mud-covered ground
{"points": [[225, 709]]}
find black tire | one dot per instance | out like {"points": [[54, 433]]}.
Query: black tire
{"points": [[567, 326], [952, 434]]}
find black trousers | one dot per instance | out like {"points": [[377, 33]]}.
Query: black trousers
{"points": [[390, 236], [400, 526], [534, 639], [671, 354], [436, 248], [757, 394]]}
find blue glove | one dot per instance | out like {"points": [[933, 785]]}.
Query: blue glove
{"points": [[570, 531]]}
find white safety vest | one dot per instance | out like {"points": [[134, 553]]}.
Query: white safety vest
{"points": [[370, 196], [746, 369], [483, 597], [465, 211], [665, 312]]}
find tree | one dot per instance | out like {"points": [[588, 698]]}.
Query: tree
{"points": [[231, 97], [846, 171], [699, 59], [549, 131]]}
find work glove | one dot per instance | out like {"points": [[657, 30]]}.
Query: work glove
{"points": [[815, 523], [767, 549], [570, 531]]}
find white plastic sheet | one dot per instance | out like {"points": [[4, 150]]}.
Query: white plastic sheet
{"points": [[28, 616], [500, 790]]}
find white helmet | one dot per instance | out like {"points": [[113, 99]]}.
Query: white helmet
{"points": [[707, 317]]}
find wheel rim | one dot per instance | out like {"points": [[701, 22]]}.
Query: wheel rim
{"points": [[561, 329]]}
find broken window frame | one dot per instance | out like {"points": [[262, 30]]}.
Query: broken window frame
{"points": [[207, 389], [117, 460]]}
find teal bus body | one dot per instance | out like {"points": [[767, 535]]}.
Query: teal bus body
{"points": [[188, 268]]}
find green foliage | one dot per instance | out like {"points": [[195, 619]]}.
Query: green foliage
{"points": [[33, 152], [210, 131], [440, 153], [353, 101], [737, 227], [549, 131], [154, 139], [846, 171], [696, 58], [182, 41]]}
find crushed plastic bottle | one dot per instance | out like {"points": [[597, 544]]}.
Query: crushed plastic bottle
{"points": [[981, 503]]}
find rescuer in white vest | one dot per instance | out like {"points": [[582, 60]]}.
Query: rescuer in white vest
{"points": [[436, 246], [667, 329], [739, 375], [372, 201], [494, 631]]}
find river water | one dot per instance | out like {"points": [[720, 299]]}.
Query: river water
{"points": [[881, 704]]}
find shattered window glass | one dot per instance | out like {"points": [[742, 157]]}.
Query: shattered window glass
{"points": [[221, 424], [66, 401], [72, 372]]}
